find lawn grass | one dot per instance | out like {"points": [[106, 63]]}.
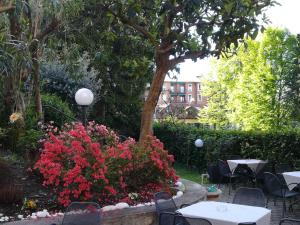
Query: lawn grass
{"points": [[189, 174]]}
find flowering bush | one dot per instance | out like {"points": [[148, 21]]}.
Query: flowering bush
{"points": [[92, 164]]}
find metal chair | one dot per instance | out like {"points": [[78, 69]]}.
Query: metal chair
{"points": [[165, 203], [213, 173], [245, 173], [166, 218], [275, 188], [182, 220], [224, 171], [289, 221], [82, 213], [250, 196]]}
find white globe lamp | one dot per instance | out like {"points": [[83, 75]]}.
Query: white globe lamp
{"points": [[199, 143], [84, 97]]}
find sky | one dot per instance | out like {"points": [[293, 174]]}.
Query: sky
{"points": [[285, 15]]}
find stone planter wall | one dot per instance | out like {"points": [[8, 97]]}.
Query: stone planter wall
{"points": [[145, 215]]}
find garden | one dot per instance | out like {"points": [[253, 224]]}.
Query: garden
{"points": [[76, 125]]}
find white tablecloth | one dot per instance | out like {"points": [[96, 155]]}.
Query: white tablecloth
{"points": [[292, 177], [254, 164], [221, 213]]}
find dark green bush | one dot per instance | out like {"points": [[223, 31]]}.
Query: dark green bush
{"points": [[51, 104], [179, 140]]}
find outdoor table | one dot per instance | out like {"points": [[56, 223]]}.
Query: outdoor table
{"points": [[221, 213], [254, 164], [291, 179]]}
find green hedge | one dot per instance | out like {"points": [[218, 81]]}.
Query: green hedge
{"points": [[179, 140]]}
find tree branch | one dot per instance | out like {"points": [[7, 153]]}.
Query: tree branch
{"points": [[50, 28], [166, 49], [7, 8], [190, 55], [128, 22]]}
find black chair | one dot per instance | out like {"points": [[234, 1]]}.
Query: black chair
{"points": [[182, 220], [81, 213], [289, 221], [250, 196], [166, 218], [165, 203], [261, 169], [225, 172], [275, 188], [281, 168], [245, 173], [213, 173]]}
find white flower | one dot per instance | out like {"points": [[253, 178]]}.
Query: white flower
{"points": [[133, 195]]}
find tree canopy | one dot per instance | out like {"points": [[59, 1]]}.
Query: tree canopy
{"points": [[258, 88], [186, 29]]}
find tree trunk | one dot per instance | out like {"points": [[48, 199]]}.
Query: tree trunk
{"points": [[153, 96], [36, 79], [9, 95], [10, 90]]}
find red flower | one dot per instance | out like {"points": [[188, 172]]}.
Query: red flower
{"points": [[77, 167]]}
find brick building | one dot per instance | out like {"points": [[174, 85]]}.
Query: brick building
{"points": [[180, 96]]}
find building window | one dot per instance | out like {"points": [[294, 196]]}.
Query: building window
{"points": [[182, 98], [190, 87], [181, 89], [199, 86], [199, 98], [172, 88], [190, 98], [164, 87]]}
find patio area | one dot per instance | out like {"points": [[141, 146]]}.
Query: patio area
{"points": [[276, 213]]}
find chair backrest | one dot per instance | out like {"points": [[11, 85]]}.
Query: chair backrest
{"points": [[272, 183], [213, 172], [182, 220], [250, 196], [289, 221], [248, 223], [244, 170], [79, 213], [166, 218], [164, 202], [223, 167]]}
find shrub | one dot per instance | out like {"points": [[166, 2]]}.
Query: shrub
{"points": [[92, 164], [219, 144], [61, 79], [64, 116]]}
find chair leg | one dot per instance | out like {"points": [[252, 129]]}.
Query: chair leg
{"points": [[284, 208], [229, 185]]}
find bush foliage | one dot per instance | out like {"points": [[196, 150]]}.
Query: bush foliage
{"points": [[64, 115], [219, 144], [92, 164]]}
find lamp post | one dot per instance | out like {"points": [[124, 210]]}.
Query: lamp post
{"points": [[84, 97], [198, 143]]}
